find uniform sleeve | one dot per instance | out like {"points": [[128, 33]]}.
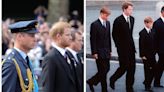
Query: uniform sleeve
{"points": [[9, 77]]}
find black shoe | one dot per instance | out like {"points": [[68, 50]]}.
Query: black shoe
{"points": [[129, 90], [147, 89], [90, 86], [112, 84], [159, 86]]}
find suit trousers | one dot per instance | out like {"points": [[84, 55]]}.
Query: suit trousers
{"points": [[149, 70], [159, 69], [127, 64], [103, 68]]}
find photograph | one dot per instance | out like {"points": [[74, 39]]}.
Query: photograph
{"points": [[124, 45], [42, 46]]}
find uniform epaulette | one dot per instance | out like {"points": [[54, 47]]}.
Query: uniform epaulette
{"points": [[8, 58]]}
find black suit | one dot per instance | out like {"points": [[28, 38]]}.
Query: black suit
{"points": [[147, 49], [159, 34], [122, 36], [57, 75], [79, 71], [100, 44]]}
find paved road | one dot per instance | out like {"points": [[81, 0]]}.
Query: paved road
{"points": [[120, 84]]}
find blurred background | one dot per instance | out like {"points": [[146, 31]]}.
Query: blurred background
{"points": [[46, 12]]}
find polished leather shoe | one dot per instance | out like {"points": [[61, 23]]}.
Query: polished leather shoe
{"points": [[129, 90], [112, 84], [159, 86], [148, 90], [90, 86]]}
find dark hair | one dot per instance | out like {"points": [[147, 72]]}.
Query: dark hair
{"points": [[162, 9], [126, 4]]}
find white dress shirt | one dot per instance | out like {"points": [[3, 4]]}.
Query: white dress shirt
{"points": [[61, 50], [147, 29]]}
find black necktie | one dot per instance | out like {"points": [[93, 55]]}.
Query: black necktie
{"points": [[104, 24], [73, 68], [78, 57], [28, 62], [150, 33]]}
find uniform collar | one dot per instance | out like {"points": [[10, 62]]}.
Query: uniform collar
{"points": [[61, 50], [23, 54]]}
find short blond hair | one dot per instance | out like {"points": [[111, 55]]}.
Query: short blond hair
{"points": [[58, 28], [148, 19]]}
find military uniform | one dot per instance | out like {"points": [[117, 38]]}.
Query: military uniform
{"points": [[17, 74]]}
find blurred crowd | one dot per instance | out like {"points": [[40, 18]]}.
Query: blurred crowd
{"points": [[43, 40]]}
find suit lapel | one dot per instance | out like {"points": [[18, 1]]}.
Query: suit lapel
{"points": [[65, 65], [131, 21], [78, 67]]}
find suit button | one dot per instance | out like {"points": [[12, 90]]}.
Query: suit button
{"points": [[26, 79]]}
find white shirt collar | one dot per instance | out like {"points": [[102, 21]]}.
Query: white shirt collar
{"points": [[162, 18], [61, 50], [23, 54], [101, 20], [147, 29], [125, 16]]}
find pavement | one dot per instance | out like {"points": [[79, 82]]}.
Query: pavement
{"points": [[120, 84]]}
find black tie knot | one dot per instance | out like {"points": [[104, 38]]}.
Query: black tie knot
{"points": [[28, 62]]}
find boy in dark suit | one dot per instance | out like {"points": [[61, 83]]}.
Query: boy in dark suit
{"points": [[101, 48], [147, 52]]}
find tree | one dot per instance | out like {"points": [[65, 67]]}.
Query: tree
{"points": [[56, 9]]}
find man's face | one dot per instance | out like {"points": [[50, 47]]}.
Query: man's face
{"points": [[78, 42], [28, 40], [66, 37], [162, 13], [128, 11], [149, 25]]}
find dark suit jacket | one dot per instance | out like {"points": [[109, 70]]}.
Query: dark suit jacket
{"points": [[79, 71], [10, 79], [159, 34], [147, 44], [100, 39], [56, 73], [122, 36]]}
